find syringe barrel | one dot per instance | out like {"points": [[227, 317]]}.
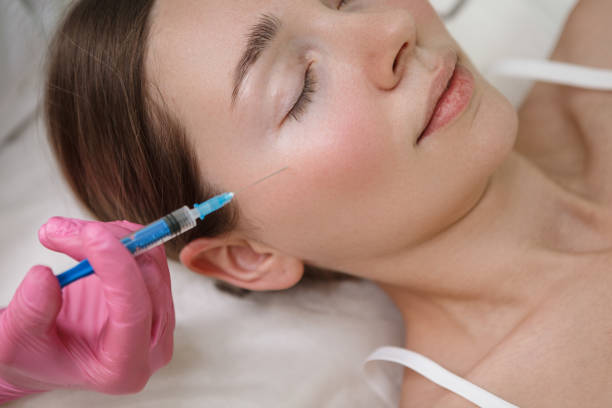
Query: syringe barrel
{"points": [[159, 231]]}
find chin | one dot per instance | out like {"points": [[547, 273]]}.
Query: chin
{"points": [[480, 153], [493, 134], [495, 129]]}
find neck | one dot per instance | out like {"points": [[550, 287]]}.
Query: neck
{"points": [[464, 291]]}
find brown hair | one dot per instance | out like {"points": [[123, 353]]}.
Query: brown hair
{"points": [[122, 152]]}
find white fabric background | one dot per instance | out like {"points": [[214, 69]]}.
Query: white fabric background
{"points": [[24, 29], [299, 348]]}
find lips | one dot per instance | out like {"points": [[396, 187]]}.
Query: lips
{"points": [[438, 86]]}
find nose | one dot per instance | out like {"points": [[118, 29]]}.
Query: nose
{"points": [[382, 42]]}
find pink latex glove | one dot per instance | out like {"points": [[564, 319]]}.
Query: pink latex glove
{"points": [[108, 332]]}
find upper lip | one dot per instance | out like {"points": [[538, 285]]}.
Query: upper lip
{"points": [[439, 85]]}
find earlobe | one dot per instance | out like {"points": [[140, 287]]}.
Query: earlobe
{"points": [[284, 272], [242, 264]]}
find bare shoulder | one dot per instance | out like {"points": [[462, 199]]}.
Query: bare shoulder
{"points": [[568, 131], [587, 33], [560, 356], [586, 40]]}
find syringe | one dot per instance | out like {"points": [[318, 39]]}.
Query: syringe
{"points": [[160, 231]]}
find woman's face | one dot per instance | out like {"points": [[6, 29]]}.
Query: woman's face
{"points": [[359, 187]]}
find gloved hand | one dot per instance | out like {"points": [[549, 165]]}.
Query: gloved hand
{"points": [[108, 332]]}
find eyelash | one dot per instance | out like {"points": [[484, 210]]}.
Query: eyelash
{"points": [[305, 98], [309, 86]]}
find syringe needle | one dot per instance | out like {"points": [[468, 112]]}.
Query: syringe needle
{"points": [[261, 180], [217, 202]]}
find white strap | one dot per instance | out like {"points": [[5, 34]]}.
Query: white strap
{"points": [[554, 72], [439, 375]]}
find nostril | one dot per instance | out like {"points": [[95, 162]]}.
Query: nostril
{"points": [[399, 57]]}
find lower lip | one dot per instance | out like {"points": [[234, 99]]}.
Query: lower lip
{"points": [[452, 102]]}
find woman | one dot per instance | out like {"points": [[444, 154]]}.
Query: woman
{"points": [[489, 229]]}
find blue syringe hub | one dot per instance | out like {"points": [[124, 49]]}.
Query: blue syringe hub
{"points": [[211, 205]]}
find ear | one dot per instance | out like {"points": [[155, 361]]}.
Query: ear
{"points": [[242, 263]]}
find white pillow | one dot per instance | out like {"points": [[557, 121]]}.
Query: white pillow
{"points": [[25, 27]]}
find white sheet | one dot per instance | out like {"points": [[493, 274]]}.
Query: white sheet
{"points": [[24, 32], [300, 348]]}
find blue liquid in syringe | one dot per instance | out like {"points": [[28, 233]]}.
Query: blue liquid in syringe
{"points": [[147, 236]]}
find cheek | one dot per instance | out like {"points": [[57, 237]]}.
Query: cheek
{"points": [[337, 166], [347, 149]]}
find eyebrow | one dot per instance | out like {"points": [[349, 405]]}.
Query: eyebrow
{"points": [[258, 38]]}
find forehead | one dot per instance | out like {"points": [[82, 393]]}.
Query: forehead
{"points": [[193, 48]]}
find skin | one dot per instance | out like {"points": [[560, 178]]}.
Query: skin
{"points": [[521, 214]]}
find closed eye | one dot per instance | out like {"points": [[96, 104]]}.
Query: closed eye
{"points": [[299, 108]]}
